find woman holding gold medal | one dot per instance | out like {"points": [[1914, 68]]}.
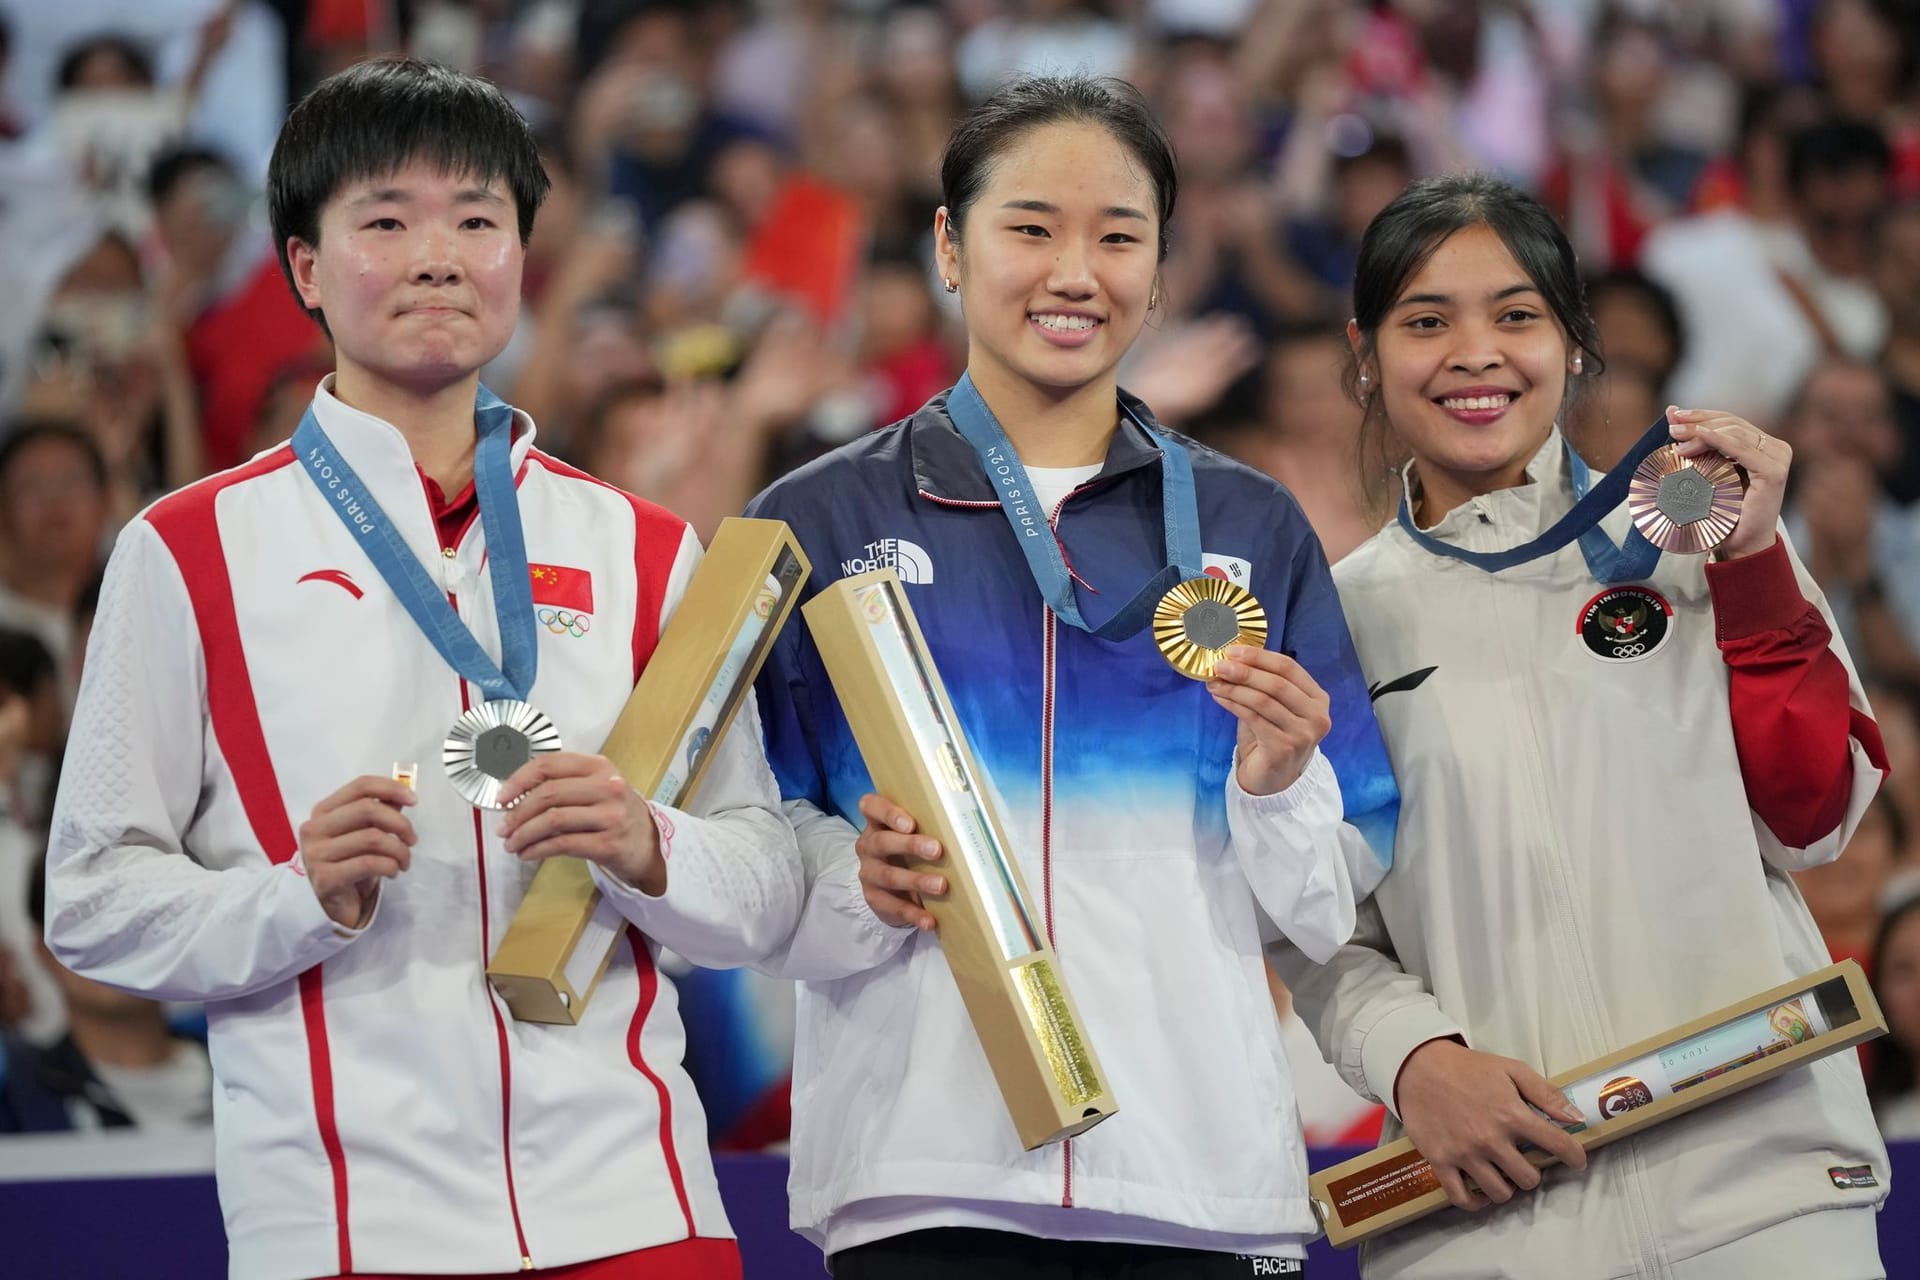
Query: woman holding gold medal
{"points": [[1612, 750], [1170, 804]]}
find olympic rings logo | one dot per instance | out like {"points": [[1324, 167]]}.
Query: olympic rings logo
{"points": [[1628, 650], [565, 622]]}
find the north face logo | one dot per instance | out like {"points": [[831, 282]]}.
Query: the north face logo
{"points": [[908, 559]]}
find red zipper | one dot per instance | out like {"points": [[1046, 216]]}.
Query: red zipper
{"points": [[1046, 856], [499, 1023]]}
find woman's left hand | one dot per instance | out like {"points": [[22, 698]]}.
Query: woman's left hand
{"points": [[1765, 458], [578, 806], [1283, 715]]}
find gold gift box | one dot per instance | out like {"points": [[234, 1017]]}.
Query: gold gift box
{"points": [[918, 758], [1660, 1077], [562, 936]]}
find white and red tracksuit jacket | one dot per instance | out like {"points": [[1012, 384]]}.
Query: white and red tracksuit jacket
{"points": [[376, 1109], [1596, 830]]}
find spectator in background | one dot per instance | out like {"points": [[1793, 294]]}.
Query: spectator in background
{"points": [[1896, 706], [1844, 895], [1305, 438], [31, 723], [17, 1000], [1752, 177], [645, 117], [53, 524], [1326, 241], [221, 293], [1863, 56], [1640, 333], [1792, 293], [1896, 275], [1030, 36], [118, 1066], [112, 116], [700, 447], [1860, 547], [1613, 187], [1892, 1083]]}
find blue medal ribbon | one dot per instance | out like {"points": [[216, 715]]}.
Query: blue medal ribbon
{"points": [[1631, 561], [1179, 509], [422, 597]]}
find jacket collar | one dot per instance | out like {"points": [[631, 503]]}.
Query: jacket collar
{"points": [[384, 461], [1520, 513], [946, 469]]}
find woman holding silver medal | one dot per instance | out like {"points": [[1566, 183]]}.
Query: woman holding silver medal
{"points": [[270, 638], [1170, 804], [1610, 759]]}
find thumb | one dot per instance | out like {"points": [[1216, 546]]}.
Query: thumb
{"points": [[1539, 1091]]}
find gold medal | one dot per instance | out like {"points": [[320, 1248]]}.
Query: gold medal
{"points": [[1685, 505], [1198, 619]]}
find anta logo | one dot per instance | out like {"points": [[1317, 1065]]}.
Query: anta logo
{"points": [[338, 577], [908, 559]]}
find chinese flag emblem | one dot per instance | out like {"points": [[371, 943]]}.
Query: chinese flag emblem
{"points": [[565, 588]]}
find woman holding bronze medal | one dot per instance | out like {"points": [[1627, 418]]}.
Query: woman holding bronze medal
{"points": [[1094, 592], [1612, 749]]}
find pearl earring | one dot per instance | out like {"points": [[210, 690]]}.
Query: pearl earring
{"points": [[1578, 362]]}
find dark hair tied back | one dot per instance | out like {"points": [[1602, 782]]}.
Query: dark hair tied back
{"points": [[1405, 234], [991, 128]]}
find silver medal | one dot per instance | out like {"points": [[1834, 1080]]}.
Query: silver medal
{"points": [[489, 743]]}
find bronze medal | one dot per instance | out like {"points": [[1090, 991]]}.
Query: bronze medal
{"points": [[1685, 505]]}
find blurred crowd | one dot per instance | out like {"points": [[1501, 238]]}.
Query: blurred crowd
{"points": [[734, 274]]}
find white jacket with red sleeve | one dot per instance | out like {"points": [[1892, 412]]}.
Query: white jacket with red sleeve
{"points": [[1597, 823]]}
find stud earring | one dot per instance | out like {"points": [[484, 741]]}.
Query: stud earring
{"points": [[1578, 363], [951, 286], [1365, 381]]}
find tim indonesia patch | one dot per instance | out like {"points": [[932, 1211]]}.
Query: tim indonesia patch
{"points": [[1852, 1177]]}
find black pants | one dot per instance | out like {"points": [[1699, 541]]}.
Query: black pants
{"points": [[957, 1253]]}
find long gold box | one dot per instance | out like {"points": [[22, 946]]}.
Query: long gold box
{"points": [[1643, 1084], [562, 936], [918, 757]]}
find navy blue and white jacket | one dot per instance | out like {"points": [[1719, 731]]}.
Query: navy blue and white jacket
{"points": [[1158, 878]]}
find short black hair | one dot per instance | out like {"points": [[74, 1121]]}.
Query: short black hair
{"points": [[29, 431], [175, 164], [382, 114], [25, 664], [988, 130], [1834, 148], [133, 51]]}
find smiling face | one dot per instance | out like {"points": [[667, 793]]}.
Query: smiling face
{"points": [[1056, 260], [418, 274], [1472, 366]]}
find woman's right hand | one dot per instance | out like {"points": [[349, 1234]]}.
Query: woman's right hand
{"points": [[1468, 1112], [885, 847]]}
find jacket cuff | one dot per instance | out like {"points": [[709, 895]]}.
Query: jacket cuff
{"points": [[1755, 593], [1316, 782], [1392, 1040], [320, 934]]}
